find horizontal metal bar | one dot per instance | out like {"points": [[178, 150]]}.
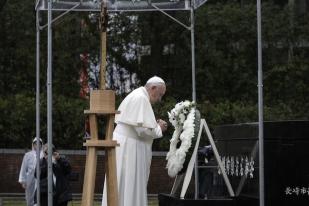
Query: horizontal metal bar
{"points": [[207, 166], [61, 15], [115, 7], [176, 20]]}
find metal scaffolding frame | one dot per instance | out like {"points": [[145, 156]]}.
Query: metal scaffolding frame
{"points": [[129, 5]]}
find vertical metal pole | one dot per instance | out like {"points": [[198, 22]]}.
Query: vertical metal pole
{"points": [[194, 89], [192, 50], [49, 103], [37, 104], [260, 105]]}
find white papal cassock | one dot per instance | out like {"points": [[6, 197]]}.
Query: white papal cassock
{"points": [[136, 128]]}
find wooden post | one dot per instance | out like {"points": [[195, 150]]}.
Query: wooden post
{"points": [[111, 173], [102, 102], [103, 28], [91, 165]]}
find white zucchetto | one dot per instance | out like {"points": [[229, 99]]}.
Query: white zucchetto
{"points": [[156, 80]]}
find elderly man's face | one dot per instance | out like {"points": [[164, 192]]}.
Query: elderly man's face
{"points": [[157, 92], [35, 145]]}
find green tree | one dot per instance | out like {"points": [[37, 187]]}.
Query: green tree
{"points": [[226, 64]]}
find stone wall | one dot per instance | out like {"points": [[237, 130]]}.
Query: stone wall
{"points": [[11, 159]]}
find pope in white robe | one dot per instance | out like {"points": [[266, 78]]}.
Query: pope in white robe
{"points": [[26, 174], [136, 129]]}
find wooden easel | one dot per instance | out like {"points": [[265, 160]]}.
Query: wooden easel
{"points": [[102, 102]]}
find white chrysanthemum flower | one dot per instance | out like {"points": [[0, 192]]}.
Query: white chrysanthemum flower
{"points": [[187, 103], [182, 118]]}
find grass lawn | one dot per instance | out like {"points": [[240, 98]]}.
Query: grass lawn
{"points": [[152, 201]]}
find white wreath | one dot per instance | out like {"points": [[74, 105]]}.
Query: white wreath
{"points": [[182, 118]]}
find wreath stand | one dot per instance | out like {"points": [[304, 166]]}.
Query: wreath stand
{"points": [[185, 178], [102, 103]]}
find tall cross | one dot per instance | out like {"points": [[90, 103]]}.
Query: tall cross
{"points": [[103, 29]]}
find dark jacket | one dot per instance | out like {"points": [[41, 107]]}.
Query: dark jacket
{"points": [[62, 190]]}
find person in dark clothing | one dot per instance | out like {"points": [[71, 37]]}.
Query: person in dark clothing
{"points": [[206, 175], [61, 187]]}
